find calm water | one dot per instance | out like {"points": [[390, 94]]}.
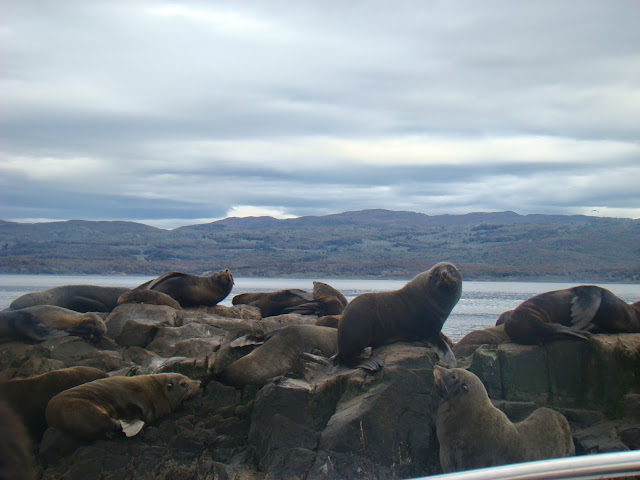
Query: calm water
{"points": [[479, 307]]}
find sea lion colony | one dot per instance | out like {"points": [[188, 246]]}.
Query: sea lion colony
{"points": [[90, 404]]}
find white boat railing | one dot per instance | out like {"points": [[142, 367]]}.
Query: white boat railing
{"points": [[583, 467]]}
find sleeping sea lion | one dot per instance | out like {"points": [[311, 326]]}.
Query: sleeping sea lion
{"points": [[150, 297], [417, 311], [46, 321], [572, 312], [29, 396], [192, 290], [81, 298], [117, 406], [474, 434], [273, 303]]}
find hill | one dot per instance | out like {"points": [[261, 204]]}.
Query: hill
{"points": [[367, 243]]}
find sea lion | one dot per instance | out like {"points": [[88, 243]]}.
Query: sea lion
{"points": [[192, 290], [280, 354], [329, 321], [117, 406], [417, 311], [326, 301], [474, 434], [473, 340], [572, 312], [151, 297], [81, 298], [29, 396], [45, 321], [16, 459], [321, 289], [274, 303]]}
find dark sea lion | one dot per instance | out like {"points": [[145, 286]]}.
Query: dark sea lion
{"points": [[571, 312], [417, 311], [45, 321], [81, 298], [117, 406], [151, 297], [321, 289], [29, 396], [474, 434], [192, 290], [473, 340], [326, 301], [16, 458], [273, 303], [281, 353]]}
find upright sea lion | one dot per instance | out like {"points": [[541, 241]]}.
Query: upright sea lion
{"points": [[151, 297], [571, 312], [29, 396], [118, 406], [280, 354], [45, 321], [474, 434], [273, 303], [81, 298], [192, 290], [16, 459], [417, 311]]}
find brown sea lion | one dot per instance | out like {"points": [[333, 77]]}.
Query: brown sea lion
{"points": [[117, 406], [329, 321], [45, 321], [474, 434], [81, 298], [417, 311], [321, 289], [571, 312], [29, 396], [473, 340], [16, 459], [280, 354], [192, 290], [326, 301], [151, 297], [273, 303]]}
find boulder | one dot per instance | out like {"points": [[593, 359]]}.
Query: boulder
{"points": [[135, 324]]}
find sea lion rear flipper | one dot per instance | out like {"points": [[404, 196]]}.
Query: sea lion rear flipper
{"points": [[585, 305], [442, 348], [371, 364], [131, 428]]}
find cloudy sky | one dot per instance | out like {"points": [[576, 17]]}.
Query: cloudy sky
{"points": [[178, 113]]}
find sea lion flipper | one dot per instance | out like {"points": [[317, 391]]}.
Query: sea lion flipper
{"points": [[309, 308], [442, 348], [132, 428], [584, 306], [371, 364], [247, 340], [555, 330], [164, 277]]}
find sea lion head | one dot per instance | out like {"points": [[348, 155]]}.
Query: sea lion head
{"points": [[445, 276], [178, 388], [224, 280], [455, 383], [503, 317]]}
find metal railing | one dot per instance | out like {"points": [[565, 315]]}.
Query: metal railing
{"points": [[583, 467]]}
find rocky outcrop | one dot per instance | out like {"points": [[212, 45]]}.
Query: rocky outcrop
{"points": [[321, 421]]}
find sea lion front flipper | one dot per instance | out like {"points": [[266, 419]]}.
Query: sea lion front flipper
{"points": [[247, 340], [132, 428], [36, 330], [584, 306], [555, 330], [164, 277], [442, 348], [371, 364]]}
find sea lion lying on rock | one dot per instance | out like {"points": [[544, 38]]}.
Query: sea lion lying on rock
{"points": [[41, 322], [417, 311], [81, 298], [118, 405], [474, 434], [29, 396], [274, 303], [571, 312], [16, 459], [150, 297], [473, 340], [192, 290]]}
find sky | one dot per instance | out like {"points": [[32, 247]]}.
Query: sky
{"points": [[174, 114]]}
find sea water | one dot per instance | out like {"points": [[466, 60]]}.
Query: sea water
{"points": [[479, 307]]}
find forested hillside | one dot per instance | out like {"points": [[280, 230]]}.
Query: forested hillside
{"points": [[369, 243]]}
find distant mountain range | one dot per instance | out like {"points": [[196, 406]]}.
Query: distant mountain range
{"points": [[367, 243]]}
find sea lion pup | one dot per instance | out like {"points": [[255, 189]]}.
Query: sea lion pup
{"points": [[117, 406], [273, 303], [474, 434], [571, 312], [473, 340], [417, 311], [16, 459], [46, 321], [281, 353], [81, 298], [29, 396], [192, 290], [151, 297]]}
